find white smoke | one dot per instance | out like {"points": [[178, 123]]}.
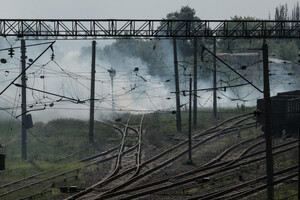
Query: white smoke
{"points": [[135, 90], [69, 76]]}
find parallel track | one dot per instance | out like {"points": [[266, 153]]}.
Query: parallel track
{"points": [[206, 171], [134, 171], [12, 185], [116, 173], [215, 133], [239, 190]]}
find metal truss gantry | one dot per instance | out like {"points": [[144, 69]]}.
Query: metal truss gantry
{"points": [[124, 28]]}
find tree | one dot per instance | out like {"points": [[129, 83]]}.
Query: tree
{"points": [[185, 47], [281, 12], [283, 48], [185, 13], [296, 12]]}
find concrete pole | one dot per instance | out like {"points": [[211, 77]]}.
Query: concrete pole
{"points": [[190, 121], [112, 74], [195, 84], [23, 105], [112, 95], [215, 81], [268, 133], [92, 102], [178, 112]]}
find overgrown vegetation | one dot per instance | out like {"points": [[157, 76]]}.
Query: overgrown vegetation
{"points": [[72, 136]]}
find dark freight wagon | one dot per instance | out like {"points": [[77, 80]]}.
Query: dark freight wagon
{"points": [[2, 159], [285, 117]]}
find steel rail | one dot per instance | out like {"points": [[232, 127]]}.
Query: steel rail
{"points": [[165, 163], [228, 150], [200, 170], [105, 181], [226, 191], [65, 173], [201, 176], [259, 188], [138, 160], [115, 173], [51, 170], [48, 171]]}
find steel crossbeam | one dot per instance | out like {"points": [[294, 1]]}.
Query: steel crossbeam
{"points": [[113, 28]]}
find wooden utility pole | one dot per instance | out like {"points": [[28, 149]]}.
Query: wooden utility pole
{"points": [[23, 105], [268, 132], [215, 80], [178, 112], [190, 121], [92, 104], [195, 84]]}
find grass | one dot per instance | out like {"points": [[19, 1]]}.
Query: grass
{"points": [[50, 141], [47, 143], [189, 162], [283, 191]]}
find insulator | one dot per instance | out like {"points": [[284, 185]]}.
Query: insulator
{"points": [[52, 56], [257, 113], [11, 52], [243, 67]]}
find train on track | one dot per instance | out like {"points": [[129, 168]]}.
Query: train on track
{"points": [[285, 117]]}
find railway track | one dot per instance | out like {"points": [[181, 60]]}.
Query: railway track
{"points": [[117, 174], [195, 175], [247, 188], [235, 159], [162, 162], [42, 177], [230, 149], [134, 171], [54, 161]]}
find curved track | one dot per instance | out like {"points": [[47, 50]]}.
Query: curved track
{"points": [[122, 176], [192, 176], [42, 177], [117, 174], [159, 161]]}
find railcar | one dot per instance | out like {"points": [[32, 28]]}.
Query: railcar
{"points": [[2, 159], [285, 109]]}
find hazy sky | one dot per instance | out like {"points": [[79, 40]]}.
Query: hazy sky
{"points": [[68, 52], [137, 9]]}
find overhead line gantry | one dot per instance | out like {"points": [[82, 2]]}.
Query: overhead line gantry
{"points": [[122, 28]]}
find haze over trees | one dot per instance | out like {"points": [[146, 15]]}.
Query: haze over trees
{"points": [[158, 53]]}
